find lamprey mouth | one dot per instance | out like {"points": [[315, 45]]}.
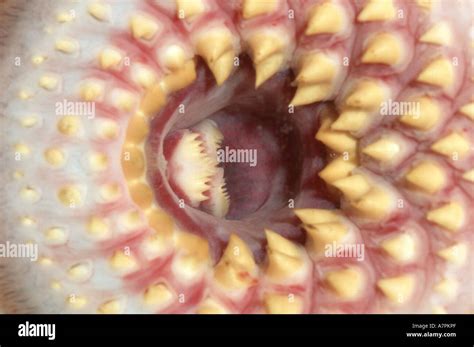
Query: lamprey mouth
{"points": [[207, 156]]}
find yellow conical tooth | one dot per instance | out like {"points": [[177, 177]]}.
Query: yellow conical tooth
{"points": [[211, 306], [222, 67], [454, 144], [254, 8], [55, 156], [80, 272], [123, 262], [76, 302], [439, 72], [189, 8], [111, 307], [448, 287], [383, 48], [456, 254], [143, 27], [351, 120], [49, 82], [236, 269], [133, 162], [401, 247], [110, 58], [449, 216], [285, 258], [427, 176], [282, 304], [384, 149], [309, 93], [181, 78], [347, 283], [312, 216], [99, 11], [326, 18], [158, 295], [264, 45], [469, 175], [423, 117], [376, 204], [192, 257], [153, 100], [377, 10], [323, 234], [336, 140], [214, 45], [367, 95], [468, 110], [337, 169], [439, 310], [398, 289], [316, 68], [174, 57], [425, 4], [267, 68], [353, 187], [67, 46], [438, 34]]}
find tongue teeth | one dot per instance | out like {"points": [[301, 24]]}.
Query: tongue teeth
{"points": [[282, 304], [236, 269], [377, 10], [194, 168]]}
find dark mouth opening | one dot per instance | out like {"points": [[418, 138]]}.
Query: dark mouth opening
{"points": [[267, 154]]}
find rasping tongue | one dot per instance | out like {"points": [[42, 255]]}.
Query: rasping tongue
{"points": [[193, 170]]}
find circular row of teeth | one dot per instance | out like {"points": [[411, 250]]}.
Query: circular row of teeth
{"points": [[271, 52]]}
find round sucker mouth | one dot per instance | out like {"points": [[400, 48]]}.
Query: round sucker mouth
{"points": [[254, 156]]}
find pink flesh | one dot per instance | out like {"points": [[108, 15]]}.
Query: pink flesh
{"points": [[287, 168]]}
